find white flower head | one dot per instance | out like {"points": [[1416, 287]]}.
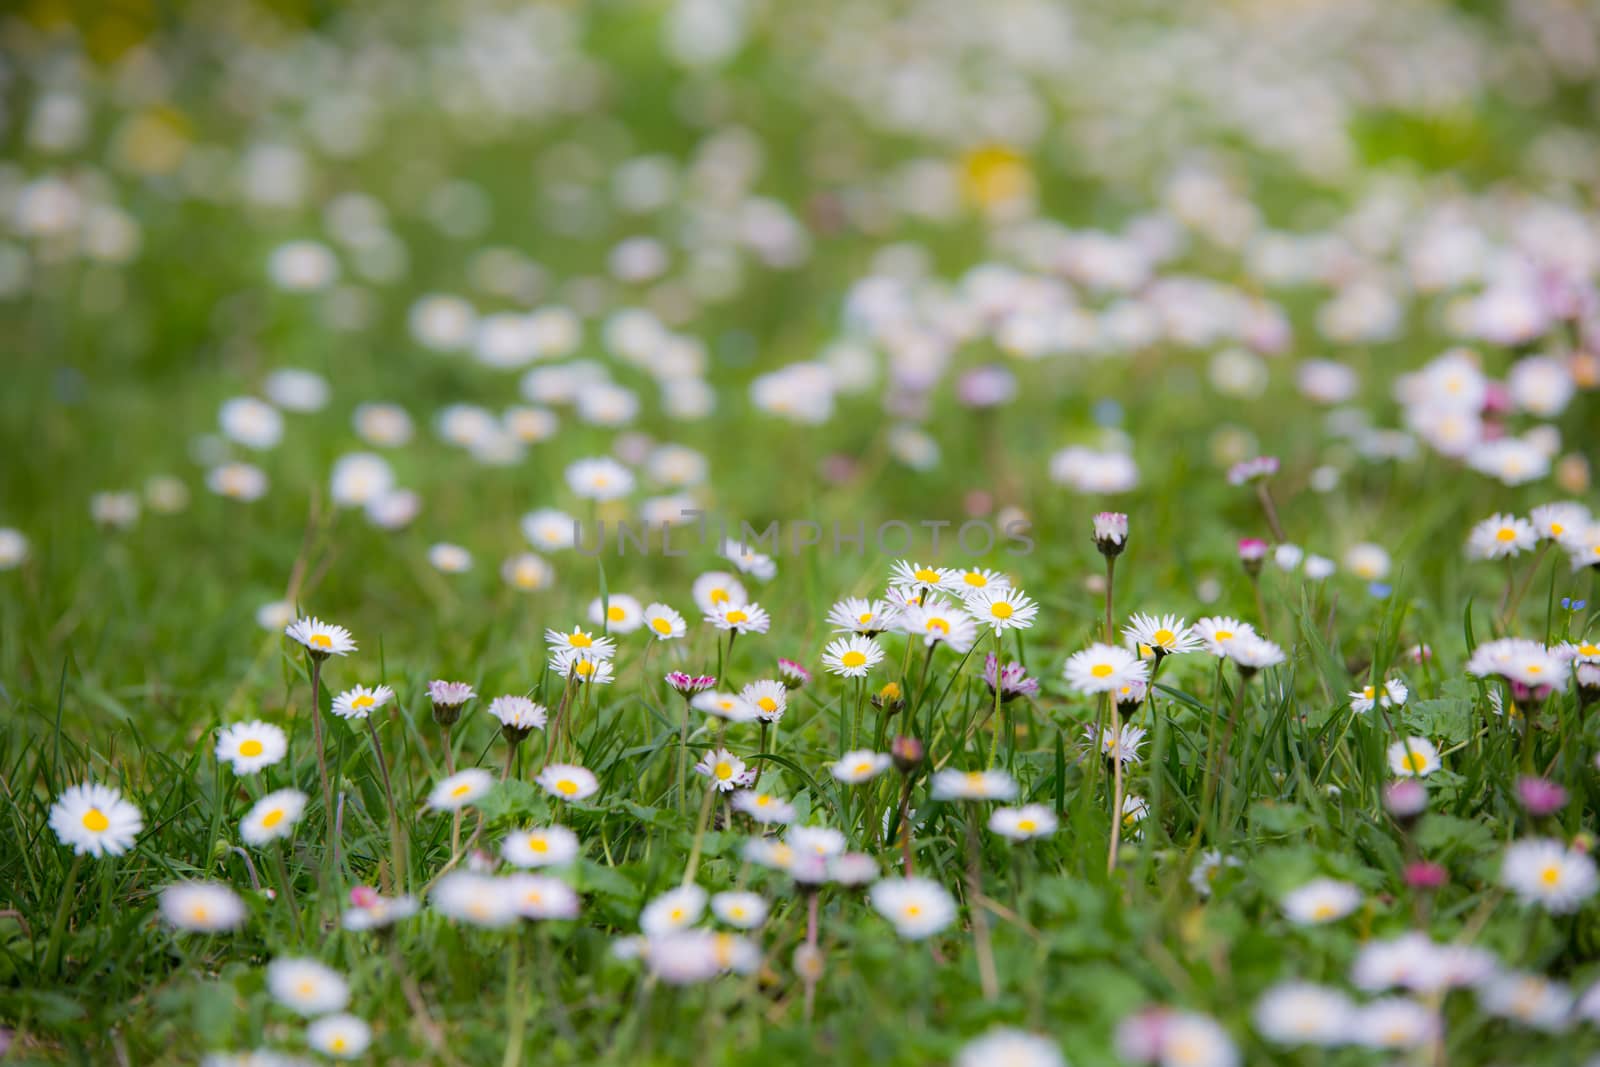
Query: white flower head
{"points": [[273, 817], [321, 638], [250, 746], [461, 789], [307, 987], [202, 907], [917, 907]]}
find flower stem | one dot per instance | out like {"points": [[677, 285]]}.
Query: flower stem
{"points": [[288, 889], [316, 731], [1116, 784], [980, 919], [58, 927], [396, 849]]}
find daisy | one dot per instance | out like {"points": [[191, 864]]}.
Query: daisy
{"points": [[726, 771], [527, 572], [917, 907], [951, 784], [961, 581], [250, 746], [582, 667], [1583, 547], [676, 909], [546, 846], [537, 896], [618, 613], [748, 618], [815, 840], [1163, 635], [1549, 874], [1415, 756], [550, 529], [747, 560], [1134, 811], [1367, 697], [794, 675], [320, 638], [1020, 824], [1519, 660], [937, 622], [852, 657], [1367, 561], [1501, 536], [855, 615], [1252, 653], [1104, 668], [342, 1037], [859, 766], [1300, 1013], [1556, 521], [1012, 679], [1583, 650], [763, 807], [470, 897], [1216, 632], [272, 817], [905, 572], [581, 642], [449, 559], [1009, 1047], [518, 714], [765, 852], [567, 781], [1210, 867], [601, 478], [687, 685], [237, 481], [202, 907], [13, 548], [744, 911], [715, 590], [1530, 999], [374, 912], [769, 698], [729, 706], [448, 698], [1002, 609], [461, 789], [1322, 900], [360, 701], [1123, 745], [1393, 1022], [306, 987], [664, 623]]}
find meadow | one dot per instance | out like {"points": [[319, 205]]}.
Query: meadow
{"points": [[695, 532]]}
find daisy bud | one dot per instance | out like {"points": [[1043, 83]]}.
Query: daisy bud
{"points": [[1110, 533], [363, 896], [907, 752], [448, 699], [889, 699], [1425, 875], [1253, 470], [1406, 799], [794, 676], [1540, 796], [1252, 550]]}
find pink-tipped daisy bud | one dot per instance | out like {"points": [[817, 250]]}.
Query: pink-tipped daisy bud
{"points": [[363, 896], [1540, 796], [1406, 799], [793, 675], [907, 752], [1252, 550], [448, 698], [1111, 533], [1253, 470], [1425, 875]]}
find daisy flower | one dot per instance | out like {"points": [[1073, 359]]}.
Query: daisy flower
{"points": [[951, 784], [341, 1036], [1110, 531], [360, 701], [1002, 609], [763, 807], [1012, 679], [794, 675], [1216, 632], [1123, 744], [859, 766], [726, 771], [747, 560], [1134, 811], [448, 699], [1367, 561], [202, 907], [545, 846], [904, 572], [321, 638], [815, 840], [1394, 693], [729, 706], [715, 590], [567, 781], [769, 698], [374, 912], [1322, 900], [1209, 868], [1009, 1047], [550, 529], [1583, 650], [687, 685], [1519, 660], [1393, 1022], [1253, 653], [960, 581], [582, 667], [272, 817], [306, 987], [852, 657], [1162, 635], [1020, 824], [855, 615], [748, 618], [1501, 536], [1549, 874], [938, 622], [537, 896], [664, 623], [1102, 668], [1300, 1013], [601, 478], [250, 746], [1527, 998], [619, 613], [742, 910], [470, 897], [461, 789], [1415, 756], [676, 909], [1556, 521], [1583, 546], [918, 907], [527, 572], [581, 642], [518, 714], [449, 559]]}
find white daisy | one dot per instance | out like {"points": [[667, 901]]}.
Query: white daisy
{"points": [[1001, 609], [321, 638], [859, 766], [360, 701], [1413, 757], [917, 907], [1123, 744], [619, 613], [1252, 652], [550, 529], [1218, 631], [1557, 521], [272, 817], [601, 478], [544, 846], [750, 618], [519, 713], [1161, 635], [1501, 536], [939, 622], [1102, 668], [742, 910], [250, 746], [1393, 1022], [449, 559], [1394, 693], [202, 907], [769, 698], [582, 667], [729, 706], [1321, 900], [960, 581], [1020, 824], [763, 807], [906, 572], [470, 897], [567, 781], [1528, 998], [527, 572], [537, 896], [1300, 1013], [461, 789], [663, 623], [1549, 874], [580, 641], [1208, 869], [676, 909], [726, 771], [341, 1036], [307, 987], [855, 615], [951, 784], [715, 590]]}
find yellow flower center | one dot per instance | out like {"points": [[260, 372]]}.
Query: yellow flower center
{"points": [[940, 625], [1505, 535], [461, 790], [584, 667], [853, 658], [1223, 635], [676, 915], [890, 691], [1163, 637], [763, 801], [1368, 692], [251, 747], [538, 844], [1001, 610], [737, 911], [95, 820], [321, 641], [1027, 826], [567, 787], [1586, 649], [1557, 529], [306, 987], [1101, 670], [737, 616], [1414, 761], [337, 1044], [864, 618], [926, 574], [864, 767], [1534, 668], [363, 701], [1322, 911], [199, 913], [719, 596], [723, 770], [913, 910], [767, 704], [272, 818], [615, 614], [661, 625], [580, 640], [975, 578]]}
